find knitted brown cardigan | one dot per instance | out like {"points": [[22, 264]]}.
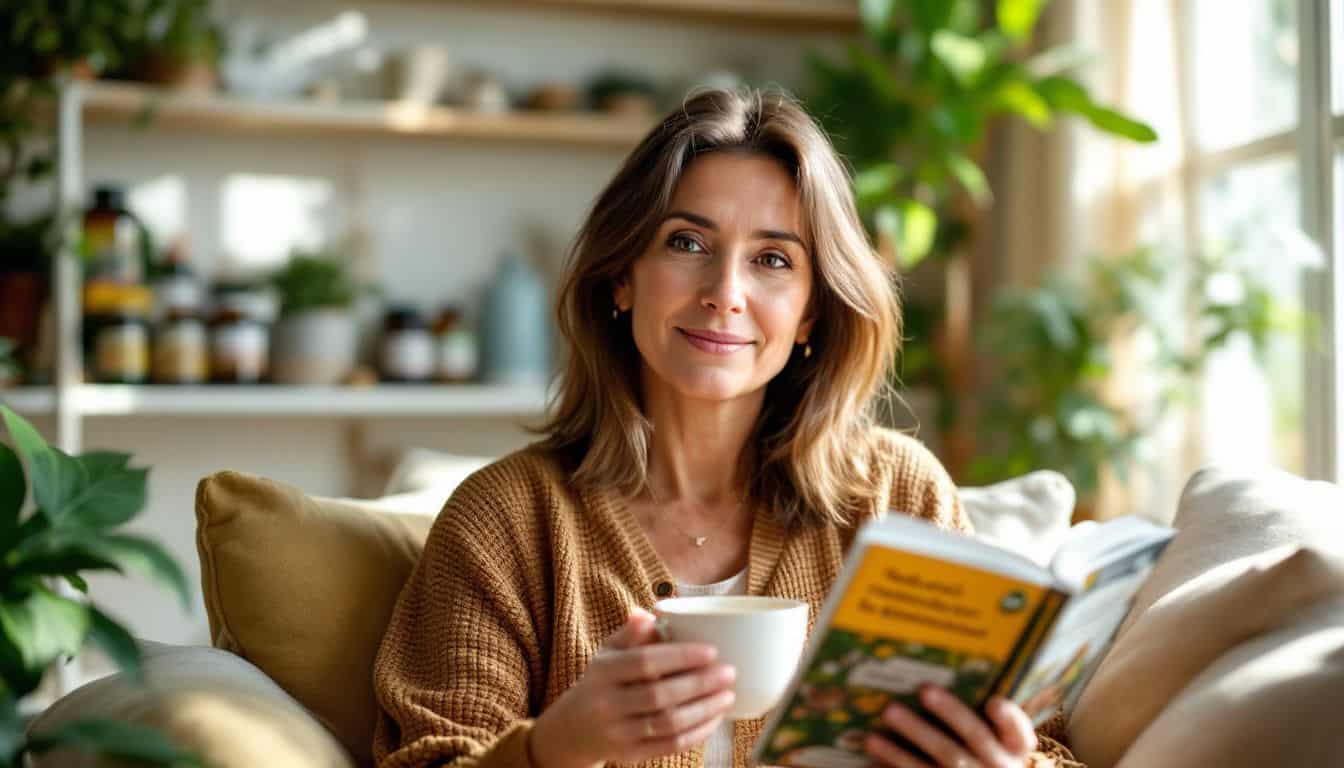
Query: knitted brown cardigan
{"points": [[524, 575]]}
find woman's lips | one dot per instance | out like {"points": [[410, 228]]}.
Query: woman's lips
{"points": [[714, 343]]}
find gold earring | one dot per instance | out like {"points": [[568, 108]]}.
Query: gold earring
{"points": [[615, 313], [807, 350]]}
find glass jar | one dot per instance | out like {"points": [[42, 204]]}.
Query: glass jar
{"points": [[181, 349], [239, 348], [406, 352], [456, 357], [116, 332]]}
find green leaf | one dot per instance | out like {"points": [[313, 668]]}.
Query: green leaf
{"points": [[44, 626], [117, 643], [74, 580], [963, 56], [139, 554], [1019, 98], [1115, 123], [1058, 60], [876, 182], [11, 728], [116, 740], [876, 16], [1018, 17], [13, 489], [56, 477], [911, 226], [971, 177], [112, 493]]}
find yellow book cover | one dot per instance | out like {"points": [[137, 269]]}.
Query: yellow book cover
{"points": [[917, 605]]}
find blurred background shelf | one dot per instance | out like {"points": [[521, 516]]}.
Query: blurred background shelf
{"points": [[110, 102], [30, 401], [252, 401], [830, 15]]}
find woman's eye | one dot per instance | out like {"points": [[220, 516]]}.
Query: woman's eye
{"points": [[684, 243], [774, 260]]}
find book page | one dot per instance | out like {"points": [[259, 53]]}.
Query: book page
{"points": [[1080, 637], [903, 619]]}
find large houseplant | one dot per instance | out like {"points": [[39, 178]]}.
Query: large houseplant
{"points": [[69, 528], [910, 105], [1055, 349]]}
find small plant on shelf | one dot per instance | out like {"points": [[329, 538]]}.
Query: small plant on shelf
{"points": [[70, 527], [315, 339]]}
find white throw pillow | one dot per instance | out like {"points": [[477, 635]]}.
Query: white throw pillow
{"points": [[1029, 514], [421, 469]]}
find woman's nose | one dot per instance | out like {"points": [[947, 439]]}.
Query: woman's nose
{"points": [[724, 292]]}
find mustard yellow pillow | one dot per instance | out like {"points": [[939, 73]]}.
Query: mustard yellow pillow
{"points": [[303, 588]]}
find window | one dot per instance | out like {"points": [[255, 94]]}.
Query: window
{"points": [[1267, 161]]}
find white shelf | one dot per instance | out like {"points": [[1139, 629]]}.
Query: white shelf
{"points": [[30, 401], [112, 102], [266, 400]]}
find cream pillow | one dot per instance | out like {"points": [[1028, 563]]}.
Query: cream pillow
{"points": [[1029, 514], [303, 588], [1236, 571], [1274, 700], [206, 700]]}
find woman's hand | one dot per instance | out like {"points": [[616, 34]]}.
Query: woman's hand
{"points": [[1004, 744], [638, 699]]}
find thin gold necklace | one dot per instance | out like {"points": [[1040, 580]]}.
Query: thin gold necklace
{"points": [[698, 541]]}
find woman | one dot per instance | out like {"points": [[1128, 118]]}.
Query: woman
{"points": [[728, 329]]}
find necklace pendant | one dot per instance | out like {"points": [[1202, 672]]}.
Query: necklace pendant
{"points": [[700, 540]]}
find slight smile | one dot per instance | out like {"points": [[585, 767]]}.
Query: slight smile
{"points": [[714, 342]]}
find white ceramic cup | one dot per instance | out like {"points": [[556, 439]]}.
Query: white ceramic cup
{"points": [[761, 637]]}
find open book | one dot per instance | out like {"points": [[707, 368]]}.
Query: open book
{"points": [[916, 604]]}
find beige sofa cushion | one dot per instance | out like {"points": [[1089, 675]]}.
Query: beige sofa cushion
{"points": [[206, 700], [1235, 573], [1274, 700], [303, 588]]}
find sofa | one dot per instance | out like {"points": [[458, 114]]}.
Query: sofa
{"points": [[1233, 654]]}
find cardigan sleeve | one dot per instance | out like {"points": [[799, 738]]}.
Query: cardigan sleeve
{"points": [[454, 674]]}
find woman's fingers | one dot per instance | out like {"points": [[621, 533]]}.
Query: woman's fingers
{"points": [[1016, 732], [689, 726], [928, 738], [674, 721], [967, 724], [651, 662], [891, 755], [638, 630], [648, 697]]}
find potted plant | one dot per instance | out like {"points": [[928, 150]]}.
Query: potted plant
{"points": [[910, 106], [175, 43], [1055, 345], [68, 528], [315, 339]]}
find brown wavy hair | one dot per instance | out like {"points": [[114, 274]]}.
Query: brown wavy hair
{"points": [[804, 465]]}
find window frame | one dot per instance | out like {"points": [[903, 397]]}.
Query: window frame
{"points": [[1314, 141]]}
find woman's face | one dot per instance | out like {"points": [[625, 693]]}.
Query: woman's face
{"points": [[721, 295]]}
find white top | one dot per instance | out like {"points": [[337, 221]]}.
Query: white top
{"points": [[719, 746]]}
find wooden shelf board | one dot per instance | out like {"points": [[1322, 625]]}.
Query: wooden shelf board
{"points": [[111, 102]]}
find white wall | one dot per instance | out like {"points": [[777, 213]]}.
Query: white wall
{"points": [[438, 215]]}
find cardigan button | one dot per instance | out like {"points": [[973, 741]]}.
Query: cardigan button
{"points": [[663, 589]]}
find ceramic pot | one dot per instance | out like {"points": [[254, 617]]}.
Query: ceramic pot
{"points": [[314, 348]]}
